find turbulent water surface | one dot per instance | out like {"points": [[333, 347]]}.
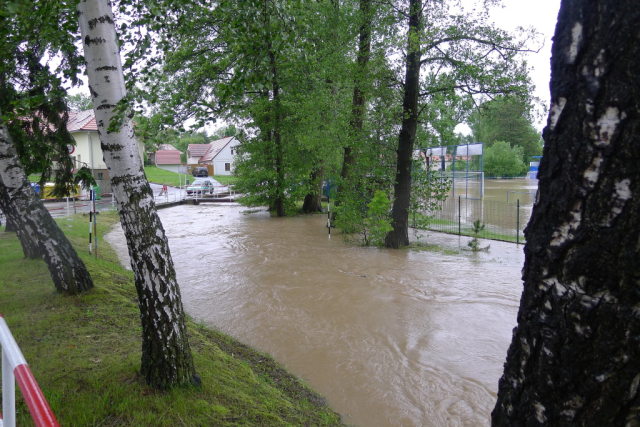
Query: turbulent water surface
{"points": [[390, 337]]}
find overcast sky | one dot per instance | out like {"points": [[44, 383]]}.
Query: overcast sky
{"points": [[542, 15]]}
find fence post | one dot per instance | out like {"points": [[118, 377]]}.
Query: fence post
{"points": [[459, 216], [518, 222]]}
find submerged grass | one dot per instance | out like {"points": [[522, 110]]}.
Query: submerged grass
{"points": [[85, 353]]}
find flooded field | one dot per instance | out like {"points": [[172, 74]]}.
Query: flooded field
{"points": [[390, 337]]}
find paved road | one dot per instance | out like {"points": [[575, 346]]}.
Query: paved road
{"points": [[173, 194]]}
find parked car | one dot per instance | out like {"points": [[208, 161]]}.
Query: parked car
{"points": [[200, 171], [200, 187]]}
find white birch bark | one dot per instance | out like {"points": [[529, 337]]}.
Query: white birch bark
{"points": [[166, 355], [39, 234]]}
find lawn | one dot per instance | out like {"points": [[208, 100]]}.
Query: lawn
{"points": [[85, 353], [161, 176]]}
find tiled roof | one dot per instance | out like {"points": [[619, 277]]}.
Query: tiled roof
{"points": [[215, 148], [168, 157], [198, 150], [82, 121], [166, 147]]}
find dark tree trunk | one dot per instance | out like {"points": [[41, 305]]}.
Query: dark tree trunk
{"points": [[9, 226], [39, 234], [399, 236], [313, 201], [358, 102], [575, 356]]}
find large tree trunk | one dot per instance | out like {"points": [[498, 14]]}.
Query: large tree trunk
{"points": [[313, 201], [399, 236], [575, 355], [358, 102], [166, 354], [39, 234]]}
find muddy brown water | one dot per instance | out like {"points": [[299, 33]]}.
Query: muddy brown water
{"points": [[390, 337]]}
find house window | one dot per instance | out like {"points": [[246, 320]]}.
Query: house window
{"points": [[100, 176], [232, 151], [227, 167]]}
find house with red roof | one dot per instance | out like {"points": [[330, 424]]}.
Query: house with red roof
{"points": [[87, 151], [217, 156], [167, 157]]}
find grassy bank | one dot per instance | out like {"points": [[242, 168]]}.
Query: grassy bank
{"points": [[85, 353], [161, 176]]}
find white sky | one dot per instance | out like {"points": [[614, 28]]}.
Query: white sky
{"points": [[542, 15]]}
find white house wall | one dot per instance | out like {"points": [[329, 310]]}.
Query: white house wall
{"points": [[225, 156], [88, 142], [171, 168], [82, 150]]}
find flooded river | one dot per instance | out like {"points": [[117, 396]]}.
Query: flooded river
{"points": [[390, 337]]}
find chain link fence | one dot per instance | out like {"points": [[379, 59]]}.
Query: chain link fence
{"points": [[502, 221]]}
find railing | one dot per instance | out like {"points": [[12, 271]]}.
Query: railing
{"points": [[502, 221], [15, 368]]}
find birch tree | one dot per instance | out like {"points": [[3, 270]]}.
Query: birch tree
{"points": [[39, 234], [31, 106], [574, 359], [166, 354]]}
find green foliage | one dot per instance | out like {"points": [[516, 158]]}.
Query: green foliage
{"points": [[79, 102], [507, 119], [500, 159], [225, 131], [474, 243], [84, 178], [32, 94], [428, 188], [368, 226]]}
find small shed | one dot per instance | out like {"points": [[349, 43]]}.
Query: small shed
{"points": [[168, 158]]}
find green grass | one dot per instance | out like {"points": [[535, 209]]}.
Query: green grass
{"points": [[451, 227], [161, 176], [85, 353]]}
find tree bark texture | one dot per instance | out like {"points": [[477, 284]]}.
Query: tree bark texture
{"points": [[313, 201], [399, 236], [575, 356], [39, 234], [29, 244], [166, 354]]}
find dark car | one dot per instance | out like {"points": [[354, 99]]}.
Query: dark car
{"points": [[200, 171]]}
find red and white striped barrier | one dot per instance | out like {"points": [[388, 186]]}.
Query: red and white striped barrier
{"points": [[15, 368]]}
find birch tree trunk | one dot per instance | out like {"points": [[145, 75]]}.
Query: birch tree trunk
{"points": [[575, 356], [399, 236], [30, 247], [166, 354], [39, 234]]}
